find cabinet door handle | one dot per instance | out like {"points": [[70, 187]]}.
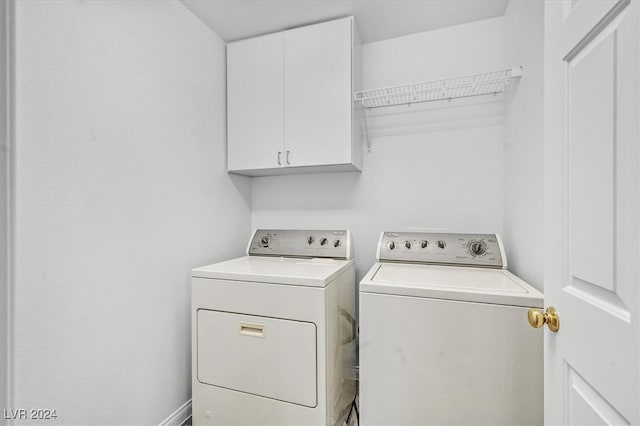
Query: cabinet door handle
{"points": [[288, 152], [279, 162]]}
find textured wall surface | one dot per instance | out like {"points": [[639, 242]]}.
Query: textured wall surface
{"points": [[120, 191], [438, 167], [5, 204], [524, 142]]}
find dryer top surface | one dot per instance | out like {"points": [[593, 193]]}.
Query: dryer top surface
{"points": [[312, 272]]}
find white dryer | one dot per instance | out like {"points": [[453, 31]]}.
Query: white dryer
{"points": [[273, 332], [444, 336]]}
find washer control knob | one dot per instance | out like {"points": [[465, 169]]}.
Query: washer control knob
{"points": [[477, 248], [310, 239], [441, 244], [336, 243], [407, 244], [392, 245], [424, 243], [265, 240], [323, 241]]}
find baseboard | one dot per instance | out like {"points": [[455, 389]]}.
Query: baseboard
{"points": [[179, 416]]}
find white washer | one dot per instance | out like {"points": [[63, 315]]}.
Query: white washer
{"points": [[444, 336], [273, 332]]}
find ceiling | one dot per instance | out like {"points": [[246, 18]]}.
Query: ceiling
{"points": [[376, 20]]}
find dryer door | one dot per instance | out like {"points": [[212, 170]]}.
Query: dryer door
{"points": [[268, 357]]}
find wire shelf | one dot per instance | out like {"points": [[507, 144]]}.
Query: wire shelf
{"points": [[436, 90]]}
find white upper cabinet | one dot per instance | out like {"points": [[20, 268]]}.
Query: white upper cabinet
{"points": [[255, 103], [290, 101], [318, 93]]}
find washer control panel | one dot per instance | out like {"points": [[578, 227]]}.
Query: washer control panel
{"points": [[442, 248], [334, 244]]}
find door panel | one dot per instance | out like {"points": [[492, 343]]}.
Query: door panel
{"points": [[585, 406], [591, 212], [318, 93], [255, 109], [582, 18], [590, 119]]}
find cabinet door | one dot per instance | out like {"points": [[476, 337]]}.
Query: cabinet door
{"points": [[318, 93], [255, 116]]}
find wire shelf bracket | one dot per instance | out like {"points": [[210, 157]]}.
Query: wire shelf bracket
{"points": [[488, 83]]}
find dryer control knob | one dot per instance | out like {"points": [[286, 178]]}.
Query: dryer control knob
{"points": [[424, 243], [310, 239], [477, 248], [407, 244], [265, 241], [323, 241], [392, 245], [441, 244], [336, 243]]}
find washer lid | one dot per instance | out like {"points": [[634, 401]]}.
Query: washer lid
{"points": [[482, 285], [314, 272]]}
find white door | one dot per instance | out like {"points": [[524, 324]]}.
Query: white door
{"points": [[317, 94], [255, 103], [592, 215]]}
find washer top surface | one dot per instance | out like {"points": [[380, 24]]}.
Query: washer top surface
{"points": [[457, 267], [469, 284], [311, 272]]}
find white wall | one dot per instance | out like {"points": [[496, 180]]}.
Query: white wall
{"points": [[439, 169], [5, 205], [120, 190], [524, 133]]}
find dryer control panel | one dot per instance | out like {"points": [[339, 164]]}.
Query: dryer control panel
{"points": [[336, 244], [442, 248]]}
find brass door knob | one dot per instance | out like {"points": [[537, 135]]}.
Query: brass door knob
{"points": [[537, 318]]}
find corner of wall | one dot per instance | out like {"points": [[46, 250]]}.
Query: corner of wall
{"points": [[523, 141], [203, 23]]}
